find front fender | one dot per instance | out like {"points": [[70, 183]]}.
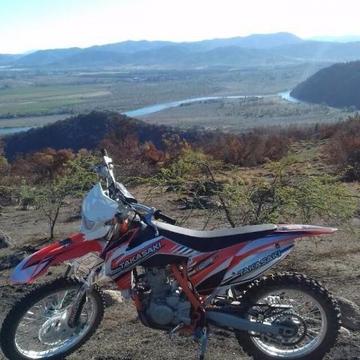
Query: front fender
{"points": [[37, 264]]}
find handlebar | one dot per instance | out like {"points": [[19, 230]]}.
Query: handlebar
{"points": [[159, 215], [116, 188]]}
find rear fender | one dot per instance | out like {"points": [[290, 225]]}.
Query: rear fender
{"points": [[37, 264], [299, 231], [259, 255]]}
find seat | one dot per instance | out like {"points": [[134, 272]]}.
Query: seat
{"points": [[205, 241]]}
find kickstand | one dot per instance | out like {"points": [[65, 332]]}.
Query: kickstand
{"points": [[203, 339]]}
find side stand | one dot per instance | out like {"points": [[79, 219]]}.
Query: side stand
{"points": [[202, 337]]}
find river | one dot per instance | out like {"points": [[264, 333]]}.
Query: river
{"points": [[159, 107], [168, 105]]}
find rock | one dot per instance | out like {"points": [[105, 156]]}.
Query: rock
{"points": [[350, 314], [9, 261], [74, 217], [344, 331], [206, 188], [5, 240], [200, 202], [112, 297], [171, 188], [355, 221]]}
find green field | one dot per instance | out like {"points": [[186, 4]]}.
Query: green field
{"points": [[47, 99]]}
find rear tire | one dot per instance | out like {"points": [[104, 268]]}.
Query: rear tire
{"points": [[20, 310], [301, 284]]}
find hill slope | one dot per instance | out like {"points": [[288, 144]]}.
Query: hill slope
{"points": [[83, 131], [337, 85]]}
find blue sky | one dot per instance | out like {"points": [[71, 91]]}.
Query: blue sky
{"points": [[40, 24]]}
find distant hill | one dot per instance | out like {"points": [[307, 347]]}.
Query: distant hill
{"points": [[337, 85], [8, 59], [135, 141], [46, 57], [252, 50], [237, 51], [320, 51], [129, 47], [341, 39], [83, 131], [229, 52], [255, 41], [87, 131]]}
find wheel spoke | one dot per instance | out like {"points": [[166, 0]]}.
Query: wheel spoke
{"points": [[305, 314], [43, 331], [309, 336]]}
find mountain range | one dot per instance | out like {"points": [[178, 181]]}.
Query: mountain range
{"points": [[258, 49]]}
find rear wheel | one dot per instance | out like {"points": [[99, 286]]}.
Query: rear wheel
{"points": [[37, 327], [302, 305]]}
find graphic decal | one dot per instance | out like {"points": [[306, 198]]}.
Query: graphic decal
{"points": [[134, 259]]}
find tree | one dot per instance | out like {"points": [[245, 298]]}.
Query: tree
{"points": [[42, 166], [73, 181]]}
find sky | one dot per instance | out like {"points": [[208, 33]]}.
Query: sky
{"points": [[27, 25]]}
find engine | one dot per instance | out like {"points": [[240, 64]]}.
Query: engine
{"points": [[165, 303]]}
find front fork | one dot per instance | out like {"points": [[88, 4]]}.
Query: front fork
{"points": [[78, 303], [77, 306]]}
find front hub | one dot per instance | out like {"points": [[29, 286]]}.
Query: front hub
{"points": [[55, 329]]}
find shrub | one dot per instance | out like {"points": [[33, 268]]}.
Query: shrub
{"points": [[300, 196], [49, 197], [344, 148]]}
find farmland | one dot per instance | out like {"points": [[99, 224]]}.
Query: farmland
{"points": [[27, 93]]}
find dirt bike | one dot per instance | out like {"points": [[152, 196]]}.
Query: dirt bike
{"points": [[180, 280]]}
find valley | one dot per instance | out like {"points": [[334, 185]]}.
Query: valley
{"points": [[31, 98]]}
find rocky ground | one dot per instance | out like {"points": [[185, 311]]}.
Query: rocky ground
{"points": [[333, 260]]}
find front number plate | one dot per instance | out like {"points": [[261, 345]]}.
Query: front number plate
{"points": [[88, 262]]}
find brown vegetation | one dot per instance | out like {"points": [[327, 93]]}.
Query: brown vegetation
{"points": [[344, 148], [140, 149]]}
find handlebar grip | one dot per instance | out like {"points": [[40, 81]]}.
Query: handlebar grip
{"points": [[104, 152], [167, 219]]}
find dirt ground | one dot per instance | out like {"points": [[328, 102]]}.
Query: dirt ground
{"points": [[333, 260]]}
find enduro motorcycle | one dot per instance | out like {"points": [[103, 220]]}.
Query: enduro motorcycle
{"points": [[180, 280]]}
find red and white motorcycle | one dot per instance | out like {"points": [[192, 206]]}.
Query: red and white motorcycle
{"points": [[180, 280]]}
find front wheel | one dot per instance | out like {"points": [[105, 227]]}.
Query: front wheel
{"points": [[37, 328], [302, 305]]}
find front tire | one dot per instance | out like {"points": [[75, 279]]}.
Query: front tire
{"points": [[35, 327], [311, 343]]}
